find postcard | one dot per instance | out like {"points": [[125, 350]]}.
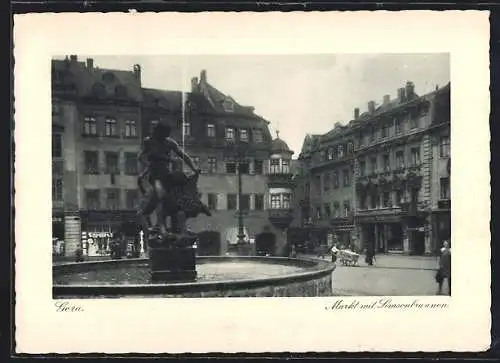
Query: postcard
{"points": [[252, 182]]}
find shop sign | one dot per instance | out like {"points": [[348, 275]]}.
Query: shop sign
{"points": [[99, 234]]}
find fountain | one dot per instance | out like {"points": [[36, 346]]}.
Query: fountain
{"points": [[172, 268]]}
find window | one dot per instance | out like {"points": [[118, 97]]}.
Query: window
{"points": [[399, 196], [285, 166], [186, 129], [373, 162], [229, 133], [228, 105], [259, 202], [317, 182], [110, 127], [362, 168], [244, 135], [336, 209], [331, 153], [347, 208], [231, 201], [384, 131], [362, 201], [286, 201], [335, 176], [113, 199], [326, 181], [257, 136], [130, 128], [361, 139], [131, 167], [340, 152], [244, 167], [444, 146], [413, 121], [92, 199], [328, 212], [415, 156], [258, 167], [400, 160], [275, 201], [347, 178], [56, 145], [132, 199], [112, 163], [324, 155], [445, 188], [230, 167], [91, 162], [373, 134], [318, 213], [374, 200], [90, 126], [386, 200], [245, 202], [212, 165], [399, 126], [211, 130], [212, 201], [57, 189], [350, 148], [275, 166], [387, 163]]}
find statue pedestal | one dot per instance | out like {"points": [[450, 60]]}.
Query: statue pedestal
{"points": [[173, 262]]}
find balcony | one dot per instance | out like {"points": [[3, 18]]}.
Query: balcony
{"points": [[280, 218], [282, 179], [444, 204]]}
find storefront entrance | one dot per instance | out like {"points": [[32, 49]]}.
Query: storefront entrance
{"points": [[383, 237]]}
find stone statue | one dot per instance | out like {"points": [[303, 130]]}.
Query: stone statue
{"points": [[172, 194]]}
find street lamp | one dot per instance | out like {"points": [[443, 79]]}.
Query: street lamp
{"points": [[240, 150]]}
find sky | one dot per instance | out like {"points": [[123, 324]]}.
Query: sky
{"points": [[298, 94]]}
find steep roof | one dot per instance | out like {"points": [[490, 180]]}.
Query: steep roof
{"points": [[93, 79], [280, 146]]}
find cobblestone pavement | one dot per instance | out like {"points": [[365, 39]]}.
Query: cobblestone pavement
{"points": [[395, 275], [379, 281]]}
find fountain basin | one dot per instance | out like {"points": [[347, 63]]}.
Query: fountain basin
{"points": [[218, 276]]}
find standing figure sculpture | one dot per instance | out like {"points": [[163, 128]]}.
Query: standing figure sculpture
{"points": [[171, 193]]}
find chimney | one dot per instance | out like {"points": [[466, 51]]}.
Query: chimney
{"points": [[73, 58], [356, 113], [371, 106], [203, 76], [194, 84], [387, 99], [90, 63], [401, 95], [410, 90], [137, 71]]}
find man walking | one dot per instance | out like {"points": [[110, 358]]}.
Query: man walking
{"points": [[444, 269]]}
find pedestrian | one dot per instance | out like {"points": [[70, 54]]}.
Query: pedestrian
{"points": [[334, 250], [444, 268]]}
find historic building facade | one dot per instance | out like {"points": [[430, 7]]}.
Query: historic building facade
{"points": [[96, 123], [398, 156], [99, 119]]}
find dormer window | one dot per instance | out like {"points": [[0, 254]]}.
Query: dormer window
{"points": [[121, 91], [257, 136], [108, 77], [228, 105]]}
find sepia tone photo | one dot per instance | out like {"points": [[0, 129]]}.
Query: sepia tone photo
{"points": [[275, 182], [179, 177]]}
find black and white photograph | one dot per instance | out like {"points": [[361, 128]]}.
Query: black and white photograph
{"points": [[251, 176], [248, 183]]}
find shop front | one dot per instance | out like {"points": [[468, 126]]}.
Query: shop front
{"points": [[58, 234], [100, 228], [382, 234]]}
